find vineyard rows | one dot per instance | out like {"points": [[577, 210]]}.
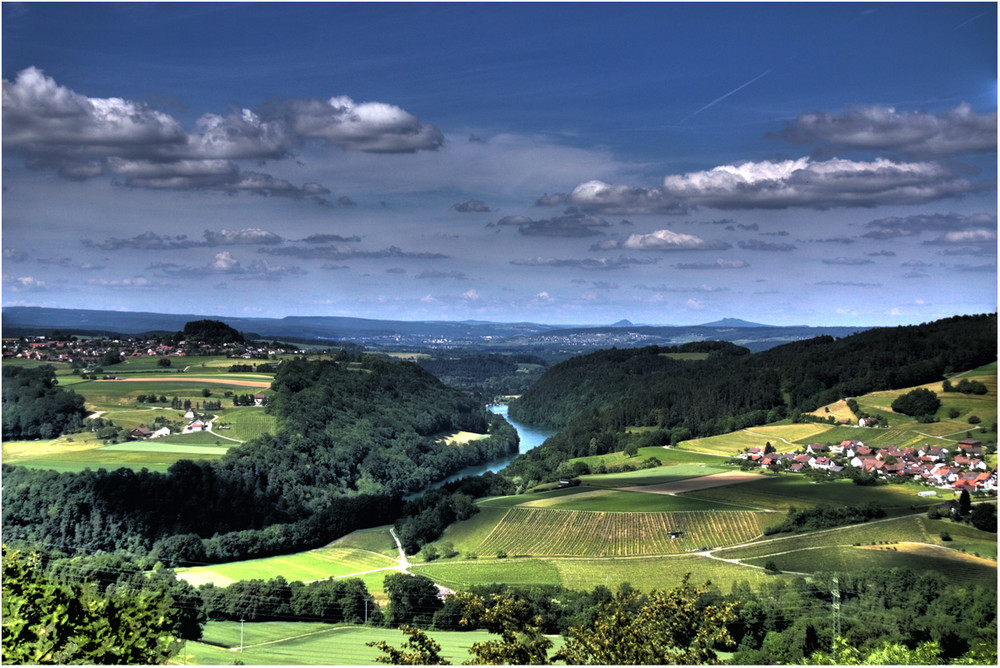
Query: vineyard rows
{"points": [[544, 532]]}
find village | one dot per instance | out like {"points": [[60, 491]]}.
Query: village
{"points": [[93, 352], [958, 467]]}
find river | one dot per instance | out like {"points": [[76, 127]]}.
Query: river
{"points": [[529, 437]]}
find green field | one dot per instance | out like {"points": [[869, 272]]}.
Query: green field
{"points": [[788, 490], [778, 436], [318, 564], [83, 451], [298, 643], [655, 476]]}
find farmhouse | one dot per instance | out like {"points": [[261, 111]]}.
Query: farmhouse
{"points": [[141, 433]]}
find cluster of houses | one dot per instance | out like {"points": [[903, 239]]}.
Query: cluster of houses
{"points": [[960, 466], [90, 352]]}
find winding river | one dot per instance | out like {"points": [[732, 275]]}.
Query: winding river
{"points": [[529, 437]]}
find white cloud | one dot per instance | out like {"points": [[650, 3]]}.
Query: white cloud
{"points": [[471, 295], [83, 137], [777, 185], [666, 240]]}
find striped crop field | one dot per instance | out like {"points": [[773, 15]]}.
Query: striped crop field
{"points": [[544, 532]]}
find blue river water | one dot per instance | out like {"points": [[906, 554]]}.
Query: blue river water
{"points": [[530, 437]]}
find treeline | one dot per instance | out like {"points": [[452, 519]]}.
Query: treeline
{"points": [[34, 406], [593, 398], [351, 442], [825, 517], [488, 374]]}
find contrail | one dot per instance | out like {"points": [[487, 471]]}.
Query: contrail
{"points": [[720, 99]]}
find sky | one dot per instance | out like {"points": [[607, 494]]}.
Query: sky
{"points": [[559, 163]]}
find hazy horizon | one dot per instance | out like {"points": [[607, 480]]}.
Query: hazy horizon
{"points": [[664, 163]]}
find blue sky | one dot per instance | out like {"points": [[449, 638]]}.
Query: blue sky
{"points": [[563, 163]]}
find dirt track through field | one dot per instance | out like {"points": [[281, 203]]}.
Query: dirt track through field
{"points": [[701, 482], [189, 379]]}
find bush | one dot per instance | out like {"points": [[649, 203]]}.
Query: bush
{"points": [[945, 536]]}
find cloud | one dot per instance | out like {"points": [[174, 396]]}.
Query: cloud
{"points": [[882, 253], [847, 284], [147, 241], [556, 199], [55, 261], [909, 226], [471, 295], [14, 255], [344, 200], [662, 240], [915, 134], [758, 245], [250, 236], [849, 261], [152, 241], [346, 253], [572, 225], [984, 268], [779, 185], [23, 283], [395, 270], [472, 206], [140, 282], [835, 240], [329, 238], [224, 264], [683, 289], [718, 264], [589, 264], [975, 237], [434, 273], [84, 137]]}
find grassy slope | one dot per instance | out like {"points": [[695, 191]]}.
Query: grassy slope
{"points": [[295, 643]]}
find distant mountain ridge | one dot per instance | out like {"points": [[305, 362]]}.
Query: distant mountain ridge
{"points": [[568, 339]]}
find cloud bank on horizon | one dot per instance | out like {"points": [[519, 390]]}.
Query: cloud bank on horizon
{"points": [[171, 171]]}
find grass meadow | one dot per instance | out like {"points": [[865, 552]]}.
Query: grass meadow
{"points": [[318, 564], [298, 643]]}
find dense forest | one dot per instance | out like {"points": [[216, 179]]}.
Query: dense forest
{"points": [[34, 406], [593, 398], [354, 436]]}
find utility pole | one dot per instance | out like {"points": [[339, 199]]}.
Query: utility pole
{"points": [[836, 616], [241, 633]]}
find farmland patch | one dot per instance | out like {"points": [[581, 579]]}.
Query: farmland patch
{"points": [[543, 532]]}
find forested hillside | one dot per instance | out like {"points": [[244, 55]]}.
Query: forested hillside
{"points": [[595, 397], [34, 406], [354, 436]]}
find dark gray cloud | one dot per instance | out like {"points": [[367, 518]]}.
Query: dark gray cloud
{"points": [[55, 261], [718, 264], [979, 268], [344, 200], [571, 225], [329, 239], [882, 253], [914, 134], [152, 241], [753, 227], [395, 270], [849, 261], [435, 273], [910, 226], [83, 137], [834, 240], [780, 185], [589, 264], [556, 199], [604, 285], [346, 253], [662, 240], [847, 284], [758, 245], [702, 289], [472, 206]]}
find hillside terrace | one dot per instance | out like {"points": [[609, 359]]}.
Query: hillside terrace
{"points": [[960, 468]]}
